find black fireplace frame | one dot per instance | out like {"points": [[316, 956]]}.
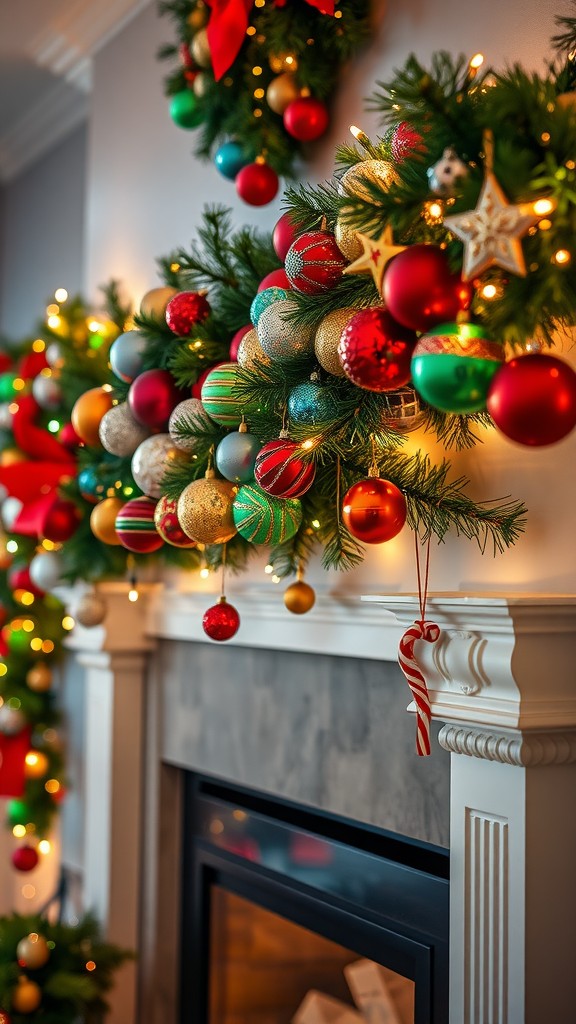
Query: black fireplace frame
{"points": [[419, 953]]}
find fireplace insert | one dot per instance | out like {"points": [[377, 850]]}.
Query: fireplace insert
{"points": [[290, 914]]}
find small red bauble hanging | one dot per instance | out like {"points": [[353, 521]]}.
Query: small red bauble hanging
{"points": [[185, 310], [234, 346], [257, 184], [532, 399], [221, 621], [306, 119], [69, 438], [25, 858], [152, 397], [420, 290], [60, 521], [376, 351], [405, 142], [374, 510], [275, 279], [280, 469], [285, 232], [314, 262]]}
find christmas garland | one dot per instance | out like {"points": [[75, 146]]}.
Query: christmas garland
{"points": [[257, 79]]}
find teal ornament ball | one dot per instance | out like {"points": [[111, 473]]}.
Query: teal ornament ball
{"points": [[218, 397], [279, 336], [235, 456], [230, 158], [453, 366], [89, 485], [7, 390], [311, 404], [185, 110], [262, 519], [263, 300]]}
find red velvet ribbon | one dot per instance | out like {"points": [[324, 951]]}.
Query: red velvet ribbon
{"points": [[28, 481], [35, 441], [227, 29]]}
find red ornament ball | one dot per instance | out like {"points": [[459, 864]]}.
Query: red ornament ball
{"points": [[275, 279], [136, 528], [5, 1018], [314, 262], [69, 438], [280, 469], [532, 399], [168, 525], [25, 858], [234, 346], [152, 397], [185, 310], [285, 232], [221, 621], [374, 510], [306, 119], [421, 291], [376, 351], [257, 184], [60, 521], [405, 141]]}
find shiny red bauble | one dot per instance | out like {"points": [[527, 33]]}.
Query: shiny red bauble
{"points": [[405, 142], [221, 621], [152, 397], [275, 279], [285, 232], [374, 510], [532, 399], [306, 119], [5, 1017], [376, 351], [257, 184], [25, 858], [280, 469], [60, 521], [314, 262], [234, 346], [185, 310], [69, 438], [421, 291]]}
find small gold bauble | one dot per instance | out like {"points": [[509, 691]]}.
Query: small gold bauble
{"points": [[354, 181], [281, 92], [36, 764], [347, 239], [205, 510], [251, 355], [27, 996], [90, 610], [283, 62], [200, 49], [33, 951], [103, 520], [198, 17], [327, 340], [566, 100], [200, 84], [39, 677], [299, 597], [154, 302]]}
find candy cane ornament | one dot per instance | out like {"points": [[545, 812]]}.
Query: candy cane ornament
{"points": [[418, 631]]}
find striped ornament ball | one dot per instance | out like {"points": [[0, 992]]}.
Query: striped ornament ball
{"points": [[262, 519], [218, 396], [168, 526], [281, 470], [136, 528]]}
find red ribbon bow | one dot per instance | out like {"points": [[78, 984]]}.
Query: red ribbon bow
{"points": [[227, 29]]}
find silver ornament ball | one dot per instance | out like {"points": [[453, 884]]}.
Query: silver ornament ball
{"points": [[190, 411], [12, 720], [150, 462], [279, 337], [46, 569], [47, 392], [236, 455], [120, 434]]}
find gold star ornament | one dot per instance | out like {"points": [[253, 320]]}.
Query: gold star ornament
{"points": [[377, 254]]}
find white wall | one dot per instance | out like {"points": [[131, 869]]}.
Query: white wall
{"points": [[146, 195]]}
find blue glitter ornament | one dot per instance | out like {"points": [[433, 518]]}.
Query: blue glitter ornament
{"points": [[230, 158], [263, 300], [311, 404]]}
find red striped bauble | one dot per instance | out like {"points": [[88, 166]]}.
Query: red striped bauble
{"points": [[280, 469], [314, 262], [136, 528]]}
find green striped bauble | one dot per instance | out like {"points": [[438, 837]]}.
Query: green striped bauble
{"points": [[135, 526], [218, 396], [262, 519]]}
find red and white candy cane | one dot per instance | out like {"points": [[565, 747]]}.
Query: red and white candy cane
{"points": [[418, 631]]}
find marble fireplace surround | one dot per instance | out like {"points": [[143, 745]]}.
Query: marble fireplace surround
{"points": [[503, 695]]}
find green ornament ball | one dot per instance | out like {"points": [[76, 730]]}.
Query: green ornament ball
{"points": [[185, 109], [218, 397], [17, 813], [262, 519], [453, 366], [7, 391], [310, 404]]}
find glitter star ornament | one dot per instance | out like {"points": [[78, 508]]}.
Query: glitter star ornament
{"points": [[377, 254]]}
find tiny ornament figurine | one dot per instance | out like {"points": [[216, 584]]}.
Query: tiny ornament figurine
{"points": [[221, 621], [419, 630]]}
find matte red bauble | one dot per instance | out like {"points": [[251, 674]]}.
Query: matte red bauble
{"points": [[405, 142], [374, 510], [221, 621], [420, 290], [314, 262], [275, 279], [25, 858], [375, 350], [61, 521], [257, 184], [532, 399], [185, 310], [234, 346], [152, 397], [280, 469], [306, 119], [285, 232]]}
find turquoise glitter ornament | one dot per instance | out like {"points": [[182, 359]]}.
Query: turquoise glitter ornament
{"points": [[262, 519], [263, 300], [310, 404]]}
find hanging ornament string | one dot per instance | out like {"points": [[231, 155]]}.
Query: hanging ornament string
{"points": [[419, 630], [223, 583]]}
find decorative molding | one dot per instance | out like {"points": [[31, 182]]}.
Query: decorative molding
{"points": [[58, 112], [526, 750], [486, 918]]}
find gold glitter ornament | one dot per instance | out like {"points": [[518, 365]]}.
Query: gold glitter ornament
{"points": [[328, 337], [251, 355], [281, 92], [356, 180], [205, 510], [347, 239], [200, 49]]}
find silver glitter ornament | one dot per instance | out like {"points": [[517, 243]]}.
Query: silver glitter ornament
{"points": [[120, 434], [190, 411], [150, 462], [279, 336]]}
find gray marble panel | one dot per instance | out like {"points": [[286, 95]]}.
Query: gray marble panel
{"points": [[325, 731]]}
